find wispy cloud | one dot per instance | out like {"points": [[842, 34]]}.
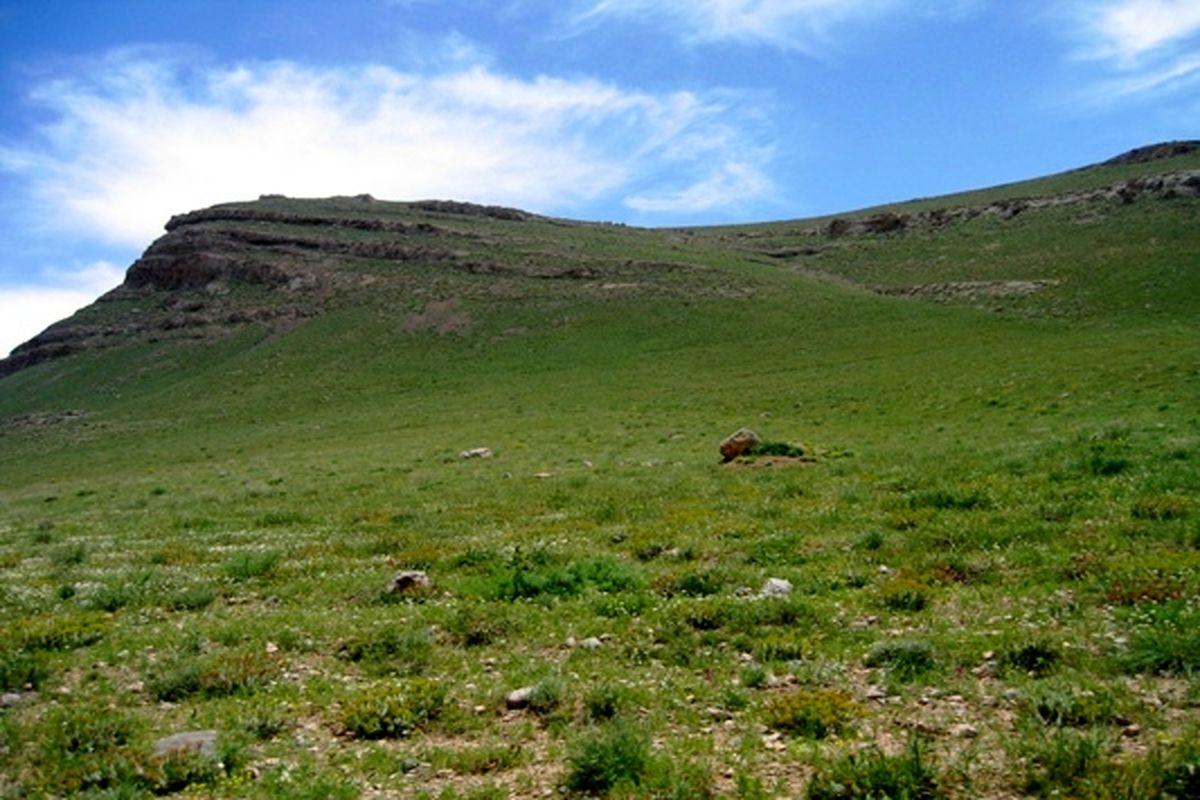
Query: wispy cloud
{"points": [[807, 26], [1144, 46], [135, 138], [1130, 29], [27, 309]]}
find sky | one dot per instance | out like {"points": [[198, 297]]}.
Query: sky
{"points": [[116, 114]]}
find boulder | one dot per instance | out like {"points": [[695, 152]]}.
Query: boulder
{"points": [[201, 743], [519, 698], [408, 580], [776, 587], [738, 443]]}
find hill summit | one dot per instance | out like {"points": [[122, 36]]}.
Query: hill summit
{"points": [[278, 261]]}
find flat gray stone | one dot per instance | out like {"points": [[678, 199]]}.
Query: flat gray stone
{"points": [[202, 743]]}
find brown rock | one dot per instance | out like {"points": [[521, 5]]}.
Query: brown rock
{"points": [[738, 443]]}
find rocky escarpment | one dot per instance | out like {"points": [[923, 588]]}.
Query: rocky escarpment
{"points": [[279, 261], [1184, 183]]}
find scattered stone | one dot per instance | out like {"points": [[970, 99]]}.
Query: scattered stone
{"points": [[137, 687], [776, 587], [590, 643], [884, 569], [718, 713], [964, 730], [10, 699], [407, 580], [519, 698], [476, 452], [774, 741], [543, 475], [203, 743], [876, 693], [738, 443], [1131, 731]]}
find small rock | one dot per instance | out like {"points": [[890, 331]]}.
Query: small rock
{"points": [[10, 699], [884, 569], [738, 443], [519, 698], [202, 743], [718, 713], [476, 452], [876, 693], [571, 643], [1131, 731], [964, 730], [774, 741], [137, 687], [776, 587], [408, 580], [590, 643], [272, 648]]}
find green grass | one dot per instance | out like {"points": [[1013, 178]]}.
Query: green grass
{"points": [[996, 524]]}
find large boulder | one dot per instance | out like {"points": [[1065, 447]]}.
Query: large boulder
{"points": [[738, 443]]}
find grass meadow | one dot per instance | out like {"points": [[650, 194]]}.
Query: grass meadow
{"points": [[993, 542]]}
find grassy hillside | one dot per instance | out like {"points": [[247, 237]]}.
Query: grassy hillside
{"points": [[991, 536]]}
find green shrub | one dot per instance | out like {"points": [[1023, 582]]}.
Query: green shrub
{"points": [[86, 747], [250, 564], [61, 632], [1065, 762], [604, 702], [20, 669], [871, 775], [192, 598], [871, 540], [949, 500], [811, 713], [391, 650], [211, 675], [528, 578], [903, 659], [1036, 658], [1065, 703], [612, 756], [392, 712], [699, 583], [70, 555], [782, 449], [1160, 508], [904, 594], [478, 624], [548, 695]]}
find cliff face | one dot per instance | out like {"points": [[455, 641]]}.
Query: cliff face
{"points": [[278, 261]]}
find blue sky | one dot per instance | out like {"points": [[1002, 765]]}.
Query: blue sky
{"points": [[116, 114]]}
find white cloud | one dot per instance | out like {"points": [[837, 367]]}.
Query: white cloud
{"points": [[27, 310], [802, 25], [135, 139], [734, 180], [1130, 29], [1142, 46]]}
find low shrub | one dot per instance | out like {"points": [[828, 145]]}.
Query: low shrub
{"points": [[904, 659], [392, 712], [20, 670], [1036, 658], [612, 756], [811, 713], [211, 675], [1159, 508], [904, 594], [871, 775], [391, 650], [250, 564]]}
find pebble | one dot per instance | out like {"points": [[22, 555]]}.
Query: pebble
{"points": [[964, 730], [876, 693], [590, 643], [1131, 731], [10, 699]]}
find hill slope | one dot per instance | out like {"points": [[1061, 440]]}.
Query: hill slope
{"points": [[211, 476]]}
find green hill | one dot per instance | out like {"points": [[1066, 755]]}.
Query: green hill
{"points": [[987, 514]]}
